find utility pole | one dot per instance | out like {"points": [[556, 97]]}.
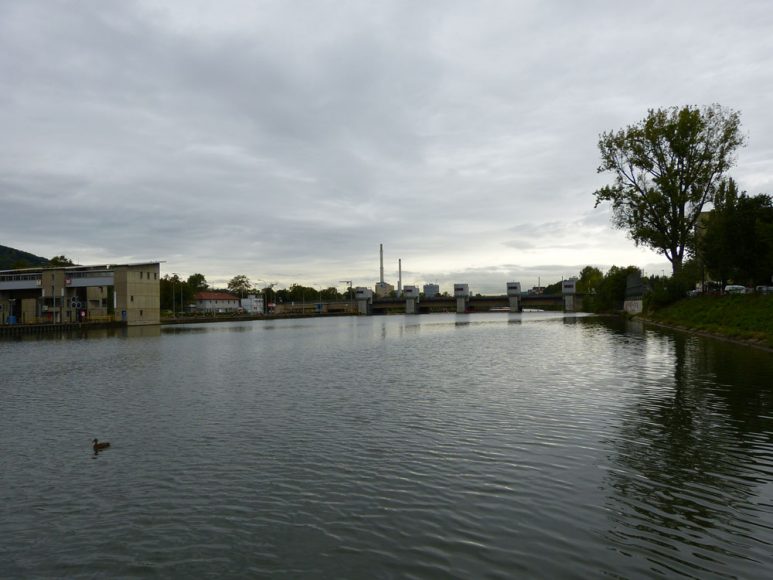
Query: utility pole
{"points": [[270, 286]]}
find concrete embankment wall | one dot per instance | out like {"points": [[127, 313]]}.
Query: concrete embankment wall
{"points": [[30, 329]]}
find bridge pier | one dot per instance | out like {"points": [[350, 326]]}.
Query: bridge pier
{"points": [[569, 292], [514, 296], [364, 297], [411, 294], [462, 295]]}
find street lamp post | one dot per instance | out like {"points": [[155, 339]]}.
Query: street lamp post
{"points": [[262, 295]]}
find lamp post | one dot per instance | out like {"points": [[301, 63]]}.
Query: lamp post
{"points": [[264, 306]]}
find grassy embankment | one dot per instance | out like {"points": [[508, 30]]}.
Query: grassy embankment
{"points": [[742, 317]]}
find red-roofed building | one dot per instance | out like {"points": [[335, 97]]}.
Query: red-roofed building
{"points": [[216, 302]]}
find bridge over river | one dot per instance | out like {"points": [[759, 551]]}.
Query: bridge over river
{"points": [[474, 304]]}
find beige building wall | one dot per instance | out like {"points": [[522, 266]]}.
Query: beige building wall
{"points": [[29, 308], [137, 294], [99, 301], [52, 283]]}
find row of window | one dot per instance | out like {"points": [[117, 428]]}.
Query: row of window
{"points": [[17, 277], [95, 274]]}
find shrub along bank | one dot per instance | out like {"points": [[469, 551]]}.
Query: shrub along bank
{"points": [[746, 317]]}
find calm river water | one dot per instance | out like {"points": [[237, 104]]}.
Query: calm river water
{"points": [[434, 446]]}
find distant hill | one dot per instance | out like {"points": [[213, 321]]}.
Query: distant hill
{"points": [[11, 258]]}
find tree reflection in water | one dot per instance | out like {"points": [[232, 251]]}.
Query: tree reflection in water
{"points": [[686, 480]]}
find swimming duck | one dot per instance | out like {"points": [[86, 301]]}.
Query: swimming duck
{"points": [[100, 446]]}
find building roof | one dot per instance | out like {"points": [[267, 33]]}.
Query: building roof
{"points": [[82, 267], [214, 296]]}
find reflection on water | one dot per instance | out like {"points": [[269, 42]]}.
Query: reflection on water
{"points": [[488, 445], [86, 332], [681, 479]]}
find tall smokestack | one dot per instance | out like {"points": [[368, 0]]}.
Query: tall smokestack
{"points": [[399, 276], [381, 258]]}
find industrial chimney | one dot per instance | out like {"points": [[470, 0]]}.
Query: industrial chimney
{"points": [[383, 289], [381, 258]]}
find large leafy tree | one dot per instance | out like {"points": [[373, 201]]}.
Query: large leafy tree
{"points": [[175, 293], [590, 278], [610, 291], [62, 260], [716, 232], [240, 285], [665, 169], [737, 238], [197, 282]]}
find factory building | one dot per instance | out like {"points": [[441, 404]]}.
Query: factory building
{"points": [[431, 290], [382, 289], [126, 293]]}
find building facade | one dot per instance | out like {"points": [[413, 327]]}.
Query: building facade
{"points": [[253, 304], [216, 302], [127, 293], [383, 289], [431, 290]]}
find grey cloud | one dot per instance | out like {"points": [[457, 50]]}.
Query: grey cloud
{"points": [[279, 139]]}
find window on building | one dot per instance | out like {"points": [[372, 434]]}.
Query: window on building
{"points": [[131, 298]]}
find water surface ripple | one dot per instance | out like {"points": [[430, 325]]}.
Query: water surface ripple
{"points": [[441, 446]]}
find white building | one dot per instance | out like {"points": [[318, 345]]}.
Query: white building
{"points": [[253, 304], [216, 302], [431, 290]]}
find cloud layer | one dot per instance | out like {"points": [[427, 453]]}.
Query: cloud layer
{"points": [[286, 140]]}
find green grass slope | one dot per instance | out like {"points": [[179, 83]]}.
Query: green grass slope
{"points": [[746, 317]]}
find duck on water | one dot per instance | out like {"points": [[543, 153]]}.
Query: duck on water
{"points": [[100, 446]]}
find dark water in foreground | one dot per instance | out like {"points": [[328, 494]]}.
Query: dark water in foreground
{"points": [[440, 446]]}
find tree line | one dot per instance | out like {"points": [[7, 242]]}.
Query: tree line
{"points": [[178, 294]]}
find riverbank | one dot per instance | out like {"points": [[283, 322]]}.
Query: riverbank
{"points": [[741, 318]]}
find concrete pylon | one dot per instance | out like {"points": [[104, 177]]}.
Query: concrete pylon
{"points": [[411, 294], [364, 297], [514, 296], [462, 295], [568, 290]]}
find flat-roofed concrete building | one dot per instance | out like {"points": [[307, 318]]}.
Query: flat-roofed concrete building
{"points": [[431, 290], [383, 289], [126, 293]]}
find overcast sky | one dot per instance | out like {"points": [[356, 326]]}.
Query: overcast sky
{"points": [[285, 140]]}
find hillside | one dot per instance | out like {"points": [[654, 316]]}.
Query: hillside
{"points": [[11, 258]]}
